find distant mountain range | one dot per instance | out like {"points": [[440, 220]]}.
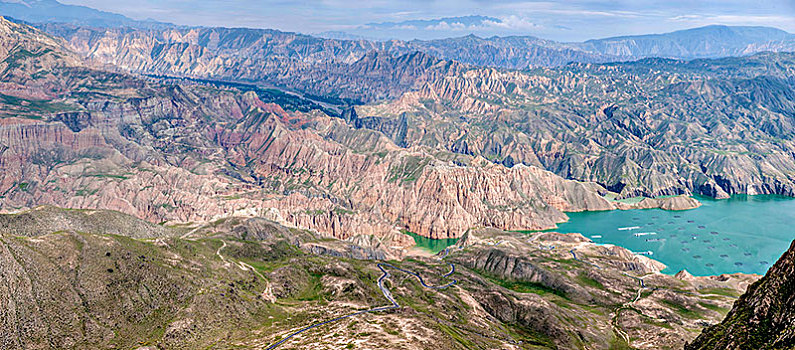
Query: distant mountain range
{"points": [[52, 11], [515, 52], [704, 42]]}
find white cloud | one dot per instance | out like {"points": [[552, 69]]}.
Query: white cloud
{"points": [[443, 25], [514, 22]]}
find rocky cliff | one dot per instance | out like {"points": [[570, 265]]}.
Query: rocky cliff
{"points": [[763, 317], [197, 153], [648, 128]]}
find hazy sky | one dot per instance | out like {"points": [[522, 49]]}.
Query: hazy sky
{"points": [[560, 20]]}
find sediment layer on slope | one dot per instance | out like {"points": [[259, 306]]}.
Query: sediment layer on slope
{"points": [[649, 128], [197, 153]]}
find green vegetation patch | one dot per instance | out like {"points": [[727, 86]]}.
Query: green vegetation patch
{"points": [[409, 169], [680, 309], [38, 106], [720, 291], [584, 279]]}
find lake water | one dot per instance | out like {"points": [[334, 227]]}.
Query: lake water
{"points": [[431, 245], [742, 234]]}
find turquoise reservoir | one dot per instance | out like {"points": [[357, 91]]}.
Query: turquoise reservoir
{"points": [[742, 234], [431, 245]]}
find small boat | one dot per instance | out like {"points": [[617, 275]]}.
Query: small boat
{"points": [[655, 240], [709, 265], [701, 226], [644, 253], [738, 263], [597, 236], [639, 234], [630, 228], [724, 256], [764, 263], [714, 233], [696, 256], [747, 254], [677, 216], [726, 239]]}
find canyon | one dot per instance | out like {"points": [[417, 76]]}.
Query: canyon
{"points": [[179, 186]]}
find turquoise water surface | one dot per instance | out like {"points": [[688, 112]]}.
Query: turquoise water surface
{"points": [[742, 234], [431, 245]]}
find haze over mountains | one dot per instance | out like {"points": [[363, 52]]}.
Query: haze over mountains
{"points": [[45, 11], [515, 52]]}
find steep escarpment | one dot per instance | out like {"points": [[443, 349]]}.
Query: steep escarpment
{"points": [[648, 128], [335, 71], [763, 317], [197, 153]]}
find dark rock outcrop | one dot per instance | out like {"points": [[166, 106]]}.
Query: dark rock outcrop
{"points": [[763, 317]]}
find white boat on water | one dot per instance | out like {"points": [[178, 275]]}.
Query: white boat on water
{"points": [[630, 228], [597, 236], [639, 234]]}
